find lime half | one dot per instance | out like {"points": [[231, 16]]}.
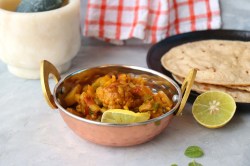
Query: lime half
{"points": [[213, 109], [120, 116]]}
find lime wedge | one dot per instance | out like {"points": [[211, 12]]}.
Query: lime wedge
{"points": [[213, 109], [120, 116]]}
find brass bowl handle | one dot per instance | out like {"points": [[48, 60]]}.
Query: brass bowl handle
{"points": [[185, 89], [46, 68]]}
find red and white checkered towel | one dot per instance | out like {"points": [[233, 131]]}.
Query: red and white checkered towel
{"points": [[149, 20]]}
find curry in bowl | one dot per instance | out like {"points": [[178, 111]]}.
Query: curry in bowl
{"points": [[115, 90]]}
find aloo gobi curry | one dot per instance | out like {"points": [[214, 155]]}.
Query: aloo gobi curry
{"points": [[116, 91]]}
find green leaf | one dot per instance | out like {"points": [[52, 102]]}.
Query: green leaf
{"points": [[194, 163], [156, 106], [157, 123], [194, 152], [174, 165]]}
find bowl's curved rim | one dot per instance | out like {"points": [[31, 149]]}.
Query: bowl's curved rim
{"points": [[120, 125]]}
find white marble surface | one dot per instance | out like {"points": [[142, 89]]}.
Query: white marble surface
{"points": [[31, 134]]}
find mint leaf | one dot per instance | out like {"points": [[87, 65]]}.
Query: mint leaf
{"points": [[194, 163], [194, 152]]}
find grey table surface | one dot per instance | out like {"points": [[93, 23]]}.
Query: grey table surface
{"points": [[33, 134]]}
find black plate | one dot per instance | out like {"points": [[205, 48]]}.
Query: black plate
{"points": [[159, 49]]}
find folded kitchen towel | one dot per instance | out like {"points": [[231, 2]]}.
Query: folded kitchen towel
{"points": [[149, 20]]}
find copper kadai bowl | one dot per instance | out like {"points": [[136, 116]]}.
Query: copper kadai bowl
{"points": [[115, 134]]}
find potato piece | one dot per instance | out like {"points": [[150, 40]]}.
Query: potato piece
{"points": [[70, 98], [101, 81], [165, 99]]}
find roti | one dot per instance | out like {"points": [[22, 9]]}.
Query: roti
{"points": [[219, 62], [238, 95], [245, 88]]}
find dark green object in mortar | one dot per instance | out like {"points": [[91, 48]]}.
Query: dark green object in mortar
{"points": [[30, 6]]}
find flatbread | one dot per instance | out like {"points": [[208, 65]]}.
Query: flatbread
{"points": [[238, 95], [245, 88], [218, 62]]}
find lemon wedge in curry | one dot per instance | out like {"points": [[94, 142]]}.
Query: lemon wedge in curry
{"points": [[121, 116]]}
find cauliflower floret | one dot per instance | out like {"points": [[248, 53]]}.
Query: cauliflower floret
{"points": [[118, 95]]}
